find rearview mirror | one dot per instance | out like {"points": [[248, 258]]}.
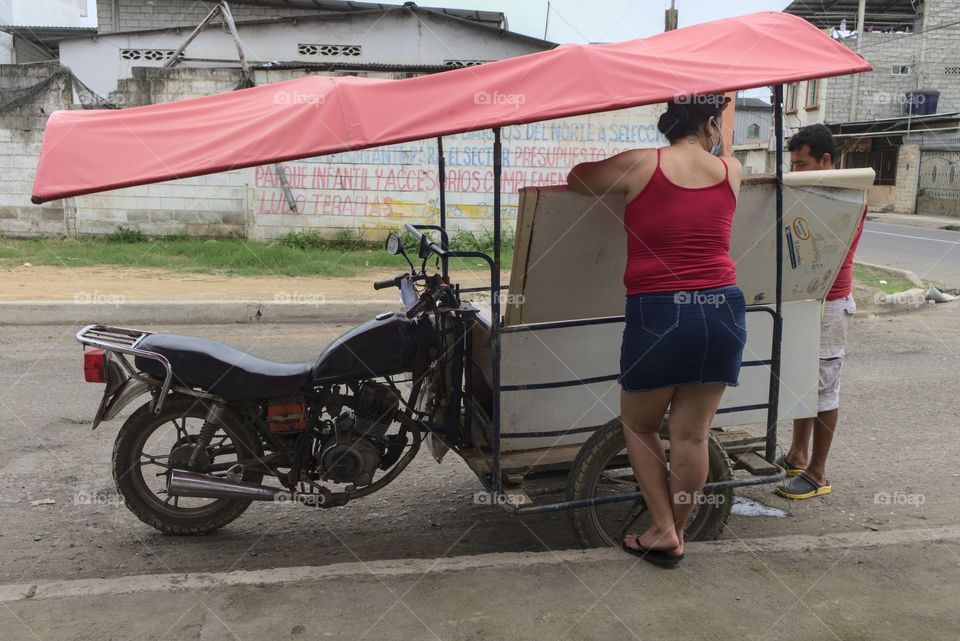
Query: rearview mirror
{"points": [[393, 246]]}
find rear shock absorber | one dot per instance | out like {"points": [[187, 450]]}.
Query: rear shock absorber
{"points": [[210, 426]]}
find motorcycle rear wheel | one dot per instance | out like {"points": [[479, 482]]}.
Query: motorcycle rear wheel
{"points": [[167, 515], [601, 469]]}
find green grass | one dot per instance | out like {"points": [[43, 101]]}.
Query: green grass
{"points": [[872, 277], [303, 254]]}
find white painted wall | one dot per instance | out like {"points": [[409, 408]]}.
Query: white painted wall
{"points": [[6, 48], [390, 39], [52, 13]]}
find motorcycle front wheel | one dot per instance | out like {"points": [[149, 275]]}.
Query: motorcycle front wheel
{"points": [[150, 445]]}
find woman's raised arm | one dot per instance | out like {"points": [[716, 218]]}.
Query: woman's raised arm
{"points": [[611, 175]]}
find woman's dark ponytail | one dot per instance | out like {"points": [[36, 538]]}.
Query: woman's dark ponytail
{"points": [[686, 116]]}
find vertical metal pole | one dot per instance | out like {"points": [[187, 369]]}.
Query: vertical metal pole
{"points": [[546, 25], [773, 409], [495, 311], [442, 176], [855, 93]]}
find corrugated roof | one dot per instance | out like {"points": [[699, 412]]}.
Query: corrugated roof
{"points": [[879, 13], [491, 18], [444, 14]]}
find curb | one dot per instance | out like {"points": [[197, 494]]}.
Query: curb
{"points": [[192, 312], [417, 567]]}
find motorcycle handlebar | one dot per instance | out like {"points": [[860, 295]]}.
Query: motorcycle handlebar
{"points": [[390, 282]]}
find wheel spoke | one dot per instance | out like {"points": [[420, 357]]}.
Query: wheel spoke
{"points": [[152, 460], [181, 428], [639, 507]]}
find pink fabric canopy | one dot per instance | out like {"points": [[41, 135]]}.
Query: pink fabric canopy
{"points": [[88, 151]]}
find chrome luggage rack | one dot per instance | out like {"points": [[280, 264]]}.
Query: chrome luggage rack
{"points": [[123, 340]]}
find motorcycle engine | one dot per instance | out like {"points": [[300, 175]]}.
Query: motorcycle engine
{"points": [[354, 457]]}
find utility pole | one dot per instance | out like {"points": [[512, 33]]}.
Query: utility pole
{"points": [[855, 94], [671, 17], [546, 25]]}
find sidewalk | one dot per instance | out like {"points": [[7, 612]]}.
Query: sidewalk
{"points": [[915, 220], [82, 295], [900, 584]]}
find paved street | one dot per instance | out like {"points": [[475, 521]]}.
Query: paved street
{"points": [[933, 254], [892, 468]]}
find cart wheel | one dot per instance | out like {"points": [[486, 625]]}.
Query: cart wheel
{"points": [[601, 468]]}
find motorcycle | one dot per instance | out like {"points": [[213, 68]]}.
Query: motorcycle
{"points": [[224, 428]]}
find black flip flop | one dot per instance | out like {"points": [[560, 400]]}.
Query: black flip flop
{"points": [[657, 557]]}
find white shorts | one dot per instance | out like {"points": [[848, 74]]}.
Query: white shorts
{"points": [[835, 321]]}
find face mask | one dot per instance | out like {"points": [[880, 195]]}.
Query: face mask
{"points": [[715, 150]]}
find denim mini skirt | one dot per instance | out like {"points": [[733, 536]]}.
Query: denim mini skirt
{"points": [[683, 337]]}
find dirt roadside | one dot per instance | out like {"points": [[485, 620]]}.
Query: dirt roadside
{"points": [[91, 284]]}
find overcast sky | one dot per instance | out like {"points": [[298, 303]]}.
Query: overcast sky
{"points": [[606, 20]]}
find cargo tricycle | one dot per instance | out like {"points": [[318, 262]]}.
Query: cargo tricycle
{"points": [[518, 379]]}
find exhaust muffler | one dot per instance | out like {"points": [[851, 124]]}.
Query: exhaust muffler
{"points": [[183, 483]]}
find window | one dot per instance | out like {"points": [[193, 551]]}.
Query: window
{"points": [[456, 64], [900, 70], [790, 100], [145, 54], [753, 131], [812, 100], [305, 49]]}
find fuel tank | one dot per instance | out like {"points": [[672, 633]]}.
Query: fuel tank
{"points": [[389, 344]]}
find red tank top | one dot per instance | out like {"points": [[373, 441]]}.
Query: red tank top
{"points": [[678, 238], [844, 283]]}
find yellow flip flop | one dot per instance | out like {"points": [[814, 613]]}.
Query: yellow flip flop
{"points": [[802, 487], [792, 470]]}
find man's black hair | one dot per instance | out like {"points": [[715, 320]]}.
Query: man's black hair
{"points": [[818, 138]]}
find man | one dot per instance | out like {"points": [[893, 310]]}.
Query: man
{"points": [[813, 148]]}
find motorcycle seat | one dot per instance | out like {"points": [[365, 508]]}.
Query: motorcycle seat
{"points": [[219, 369]]}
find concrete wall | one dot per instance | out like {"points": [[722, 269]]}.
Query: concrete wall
{"points": [[931, 54], [370, 191], [6, 48], [908, 176], [20, 135], [882, 197], [400, 38], [138, 14]]}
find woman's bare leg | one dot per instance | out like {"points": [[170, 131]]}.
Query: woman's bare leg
{"points": [[691, 413], [642, 414]]}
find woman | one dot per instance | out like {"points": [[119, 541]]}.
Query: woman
{"points": [[685, 326]]}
